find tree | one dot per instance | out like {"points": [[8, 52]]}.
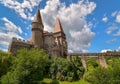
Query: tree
{"points": [[5, 62], [62, 69], [28, 67], [100, 75]]}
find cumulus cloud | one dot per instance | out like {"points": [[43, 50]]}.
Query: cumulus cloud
{"points": [[105, 19], [10, 30], [73, 19], [23, 9]]}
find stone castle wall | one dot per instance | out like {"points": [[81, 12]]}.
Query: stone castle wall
{"points": [[17, 44]]}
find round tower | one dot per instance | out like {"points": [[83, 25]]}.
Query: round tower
{"points": [[37, 31]]}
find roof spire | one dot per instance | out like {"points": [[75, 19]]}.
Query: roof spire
{"points": [[58, 26], [37, 17]]}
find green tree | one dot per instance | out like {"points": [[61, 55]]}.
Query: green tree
{"points": [[28, 67], [91, 63], [100, 75], [114, 66], [5, 62], [58, 68], [62, 69]]}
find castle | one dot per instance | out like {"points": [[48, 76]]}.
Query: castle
{"points": [[54, 44]]}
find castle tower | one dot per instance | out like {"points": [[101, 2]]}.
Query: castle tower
{"points": [[37, 31], [60, 35]]}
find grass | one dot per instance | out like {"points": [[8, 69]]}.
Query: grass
{"points": [[46, 80]]}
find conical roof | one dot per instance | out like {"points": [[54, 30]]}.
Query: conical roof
{"points": [[38, 17], [58, 26]]}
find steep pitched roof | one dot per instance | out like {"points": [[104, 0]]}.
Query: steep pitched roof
{"points": [[38, 17], [58, 26]]}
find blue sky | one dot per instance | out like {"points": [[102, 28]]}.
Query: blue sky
{"points": [[90, 25]]}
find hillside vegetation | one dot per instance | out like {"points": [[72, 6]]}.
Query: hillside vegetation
{"points": [[35, 67]]}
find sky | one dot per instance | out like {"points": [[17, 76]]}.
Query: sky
{"points": [[89, 25]]}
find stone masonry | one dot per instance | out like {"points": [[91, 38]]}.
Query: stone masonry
{"points": [[54, 43]]}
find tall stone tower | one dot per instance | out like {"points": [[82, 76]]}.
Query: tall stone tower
{"points": [[60, 38], [54, 43], [37, 31]]}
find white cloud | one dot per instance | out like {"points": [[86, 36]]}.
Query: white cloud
{"points": [[114, 14], [111, 29], [117, 33], [118, 18], [9, 26], [105, 50], [112, 40], [73, 19], [10, 30], [23, 9], [118, 49], [105, 19]]}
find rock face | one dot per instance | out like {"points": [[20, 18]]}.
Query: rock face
{"points": [[54, 43]]}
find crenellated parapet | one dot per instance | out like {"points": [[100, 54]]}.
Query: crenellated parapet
{"points": [[18, 43], [14, 39]]}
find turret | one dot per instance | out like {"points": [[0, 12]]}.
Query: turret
{"points": [[37, 31], [60, 35], [58, 30]]}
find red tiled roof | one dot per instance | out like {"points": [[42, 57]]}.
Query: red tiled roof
{"points": [[58, 26]]}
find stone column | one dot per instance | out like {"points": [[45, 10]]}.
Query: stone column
{"points": [[83, 60], [102, 61]]}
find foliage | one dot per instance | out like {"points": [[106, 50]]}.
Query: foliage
{"points": [[28, 67], [98, 76], [91, 64], [54, 81], [110, 75], [62, 69], [114, 66], [5, 62], [48, 80], [31, 66]]}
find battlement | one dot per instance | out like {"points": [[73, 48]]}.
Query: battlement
{"points": [[14, 39]]}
